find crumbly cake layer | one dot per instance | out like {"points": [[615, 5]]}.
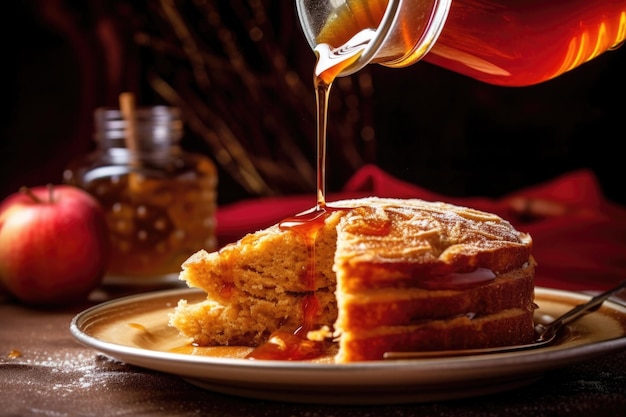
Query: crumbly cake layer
{"points": [[249, 321], [385, 269], [406, 306], [430, 276], [258, 285], [498, 313], [407, 243], [265, 264], [508, 327]]}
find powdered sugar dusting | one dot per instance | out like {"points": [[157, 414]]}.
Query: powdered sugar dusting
{"points": [[69, 371]]}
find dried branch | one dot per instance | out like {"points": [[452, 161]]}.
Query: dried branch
{"points": [[237, 75]]}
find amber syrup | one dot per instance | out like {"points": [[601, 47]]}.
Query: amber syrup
{"points": [[283, 345]]}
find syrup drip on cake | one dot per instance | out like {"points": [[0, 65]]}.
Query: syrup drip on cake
{"points": [[283, 345], [307, 225]]}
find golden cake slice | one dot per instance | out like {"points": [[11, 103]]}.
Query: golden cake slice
{"points": [[381, 274]]}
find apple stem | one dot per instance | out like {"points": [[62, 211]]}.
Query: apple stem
{"points": [[51, 193], [29, 193], [36, 199]]}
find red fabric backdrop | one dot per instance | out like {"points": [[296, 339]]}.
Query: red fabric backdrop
{"points": [[579, 236]]}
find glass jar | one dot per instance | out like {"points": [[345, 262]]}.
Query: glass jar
{"points": [[501, 42], [160, 200]]}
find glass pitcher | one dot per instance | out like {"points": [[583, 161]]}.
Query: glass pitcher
{"points": [[501, 42]]}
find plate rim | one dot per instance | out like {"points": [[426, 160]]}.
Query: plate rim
{"points": [[75, 329], [511, 367]]}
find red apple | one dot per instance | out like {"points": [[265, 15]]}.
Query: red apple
{"points": [[54, 244]]}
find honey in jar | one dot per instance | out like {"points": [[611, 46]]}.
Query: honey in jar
{"points": [[160, 200]]}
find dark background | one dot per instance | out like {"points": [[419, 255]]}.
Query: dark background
{"points": [[440, 130]]}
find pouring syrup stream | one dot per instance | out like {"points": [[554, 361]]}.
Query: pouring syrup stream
{"points": [[330, 63], [284, 345]]}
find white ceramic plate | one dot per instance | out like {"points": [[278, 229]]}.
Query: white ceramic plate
{"points": [[135, 330]]}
